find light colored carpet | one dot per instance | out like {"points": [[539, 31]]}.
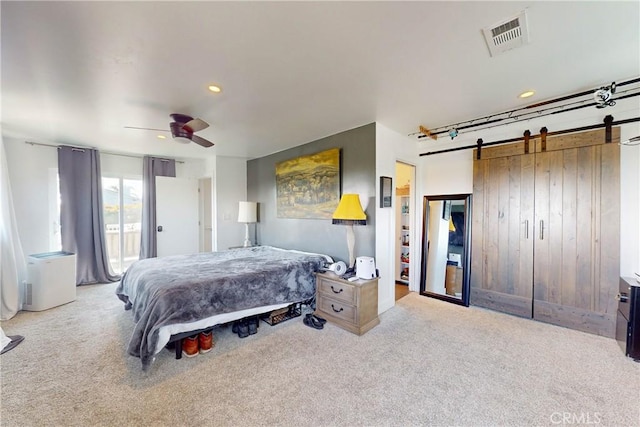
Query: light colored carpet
{"points": [[427, 363]]}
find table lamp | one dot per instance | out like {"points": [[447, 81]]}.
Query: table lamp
{"points": [[247, 213], [349, 212]]}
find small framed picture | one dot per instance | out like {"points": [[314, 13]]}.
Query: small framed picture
{"points": [[385, 192], [446, 210]]}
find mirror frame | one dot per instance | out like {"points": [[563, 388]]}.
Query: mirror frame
{"points": [[466, 273]]}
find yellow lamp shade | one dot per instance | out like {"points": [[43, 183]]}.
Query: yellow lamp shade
{"points": [[349, 211], [451, 226]]}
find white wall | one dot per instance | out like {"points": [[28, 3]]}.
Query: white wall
{"points": [[126, 167], [29, 168], [230, 187], [450, 173], [630, 203], [391, 147], [447, 173], [191, 168]]}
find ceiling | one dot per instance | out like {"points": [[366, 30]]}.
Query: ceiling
{"points": [[290, 72]]}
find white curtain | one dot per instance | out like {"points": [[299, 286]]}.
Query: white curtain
{"points": [[13, 269]]}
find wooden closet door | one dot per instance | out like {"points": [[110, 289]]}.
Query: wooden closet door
{"points": [[502, 223], [577, 223]]}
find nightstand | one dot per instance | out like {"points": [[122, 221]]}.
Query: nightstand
{"points": [[350, 305]]}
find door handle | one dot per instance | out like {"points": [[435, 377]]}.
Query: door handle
{"points": [[526, 229], [622, 297], [541, 229], [159, 228]]}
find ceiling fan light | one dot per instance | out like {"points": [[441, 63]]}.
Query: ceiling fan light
{"points": [[182, 139]]}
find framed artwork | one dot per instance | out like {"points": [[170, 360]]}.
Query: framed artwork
{"points": [[308, 187], [385, 192], [446, 210]]}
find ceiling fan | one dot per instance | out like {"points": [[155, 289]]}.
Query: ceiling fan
{"points": [[182, 129]]}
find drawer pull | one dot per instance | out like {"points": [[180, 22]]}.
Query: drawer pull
{"points": [[622, 297], [337, 311], [336, 292]]}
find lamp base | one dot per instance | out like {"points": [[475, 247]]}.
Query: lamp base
{"points": [[247, 242], [351, 241]]}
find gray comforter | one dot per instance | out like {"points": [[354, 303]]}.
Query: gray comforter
{"points": [[187, 288]]}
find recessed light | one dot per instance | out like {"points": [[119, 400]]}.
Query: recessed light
{"points": [[215, 89], [526, 94], [162, 137]]}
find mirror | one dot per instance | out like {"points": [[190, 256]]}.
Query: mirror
{"points": [[445, 247]]}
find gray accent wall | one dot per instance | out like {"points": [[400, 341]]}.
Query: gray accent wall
{"points": [[358, 175]]}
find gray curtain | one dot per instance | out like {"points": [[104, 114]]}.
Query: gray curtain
{"points": [[152, 167], [81, 215]]}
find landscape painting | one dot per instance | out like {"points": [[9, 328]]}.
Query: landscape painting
{"points": [[308, 187]]}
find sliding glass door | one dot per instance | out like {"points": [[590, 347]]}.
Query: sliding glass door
{"points": [[122, 204]]}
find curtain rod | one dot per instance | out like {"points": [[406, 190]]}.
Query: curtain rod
{"points": [[111, 153], [521, 138]]}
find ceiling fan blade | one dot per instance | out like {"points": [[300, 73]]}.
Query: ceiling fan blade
{"points": [[196, 125], [201, 141], [159, 130]]}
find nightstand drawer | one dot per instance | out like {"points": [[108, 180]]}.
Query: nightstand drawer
{"points": [[338, 309], [338, 291]]}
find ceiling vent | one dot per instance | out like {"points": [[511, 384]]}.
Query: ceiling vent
{"points": [[508, 34]]}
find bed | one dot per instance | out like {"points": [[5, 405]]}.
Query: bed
{"points": [[175, 295]]}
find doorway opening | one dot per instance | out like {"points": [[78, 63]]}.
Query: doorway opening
{"points": [[404, 230], [205, 209]]}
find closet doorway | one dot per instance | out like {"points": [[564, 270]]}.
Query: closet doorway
{"points": [[405, 226]]}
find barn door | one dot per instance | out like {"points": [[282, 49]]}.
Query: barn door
{"points": [[546, 230], [577, 222], [502, 240]]}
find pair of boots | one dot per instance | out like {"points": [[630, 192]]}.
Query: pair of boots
{"points": [[197, 344], [245, 327]]}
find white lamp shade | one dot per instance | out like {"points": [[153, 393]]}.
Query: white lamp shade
{"points": [[248, 212]]}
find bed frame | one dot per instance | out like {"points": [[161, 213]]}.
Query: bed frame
{"points": [[294, 310]]}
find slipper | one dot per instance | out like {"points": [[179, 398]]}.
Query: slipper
{"points": [[316, 322], [309, 321], [319, 319], [15, 340]]}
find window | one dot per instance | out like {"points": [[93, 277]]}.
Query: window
{"points": [[122, 205], [122, 208]]}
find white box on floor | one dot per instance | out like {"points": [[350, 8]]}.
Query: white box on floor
{"points": [[51, 280]]}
